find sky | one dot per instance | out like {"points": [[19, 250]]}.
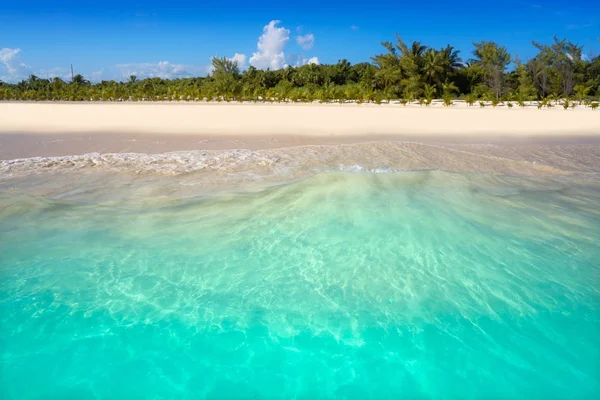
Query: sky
{"points": [[111, 39]]}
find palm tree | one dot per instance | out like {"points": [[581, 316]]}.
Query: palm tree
{"points": [[403, 68], [451, 60], [80, 80], [581, 91], [429, 93], [449, 88], [417, 50], [340, 72], [433, 68]]}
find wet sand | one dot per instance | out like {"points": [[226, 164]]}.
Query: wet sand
{"points": [[195, 143], [61, 129], [24, 145]]}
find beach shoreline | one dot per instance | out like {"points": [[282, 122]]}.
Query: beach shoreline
{"points": [[58, 129], [27, 145]]}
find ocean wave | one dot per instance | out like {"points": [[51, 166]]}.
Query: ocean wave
{"points": [[297, 162], [170, 163], [356, 168]]}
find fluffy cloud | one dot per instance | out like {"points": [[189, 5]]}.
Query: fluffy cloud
{"points": [[162, 69], [15, 67], [18, 70], [270, 54], [240, 59], [306, 41], [270, 47]]}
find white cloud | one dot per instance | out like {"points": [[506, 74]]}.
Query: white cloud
{"points": [[240, 59], [270, 47], [306, 41], [162, 69], [16, 68], [97, 76], [209, 69], [354, 28], [298, 60], [270, 54], [58, 72]]}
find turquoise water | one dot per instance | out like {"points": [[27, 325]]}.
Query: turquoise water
{"points": [[345, 286]]}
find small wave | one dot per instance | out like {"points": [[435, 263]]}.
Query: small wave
{"points": [[141, 163], [298, 162], [356, 168]]}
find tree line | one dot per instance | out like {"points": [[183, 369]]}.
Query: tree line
{"points": [[402, 71]]}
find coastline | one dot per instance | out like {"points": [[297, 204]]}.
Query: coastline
{"points": [[61, 129], [160, 214], [228, 145]]}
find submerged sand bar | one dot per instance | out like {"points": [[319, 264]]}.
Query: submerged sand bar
{"points": [[293, 119]]}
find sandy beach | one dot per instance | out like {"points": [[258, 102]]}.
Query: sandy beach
{"points": [[232, 144], [54, 129]]}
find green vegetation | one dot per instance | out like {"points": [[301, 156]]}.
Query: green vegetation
{"points": [[403, 71]]}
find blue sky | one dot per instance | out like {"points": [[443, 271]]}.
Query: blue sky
{"points": [[111, 39]]}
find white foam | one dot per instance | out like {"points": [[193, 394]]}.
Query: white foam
{"points": [[356, 168], [140, 163]]}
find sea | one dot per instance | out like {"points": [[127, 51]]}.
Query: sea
{"points": [[186, 276]]}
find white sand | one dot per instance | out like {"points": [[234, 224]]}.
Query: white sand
{"points": [[293, 119]]}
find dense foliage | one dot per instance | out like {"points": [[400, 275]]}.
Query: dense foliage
{"points": [[402, 71]]}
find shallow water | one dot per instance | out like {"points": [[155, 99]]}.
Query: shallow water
{"points": [[342, 285]]}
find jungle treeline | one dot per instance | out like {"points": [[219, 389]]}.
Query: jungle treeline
{"points": [[402, 71]]}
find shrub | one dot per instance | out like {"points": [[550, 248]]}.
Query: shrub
{"points": [[447, 101], [470, 100], [544, 103]]}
